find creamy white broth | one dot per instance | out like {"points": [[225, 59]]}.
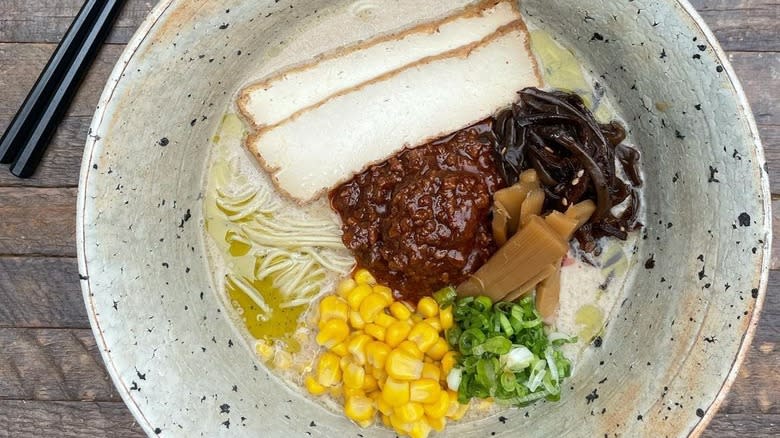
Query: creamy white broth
{"points": [[590, 293]]}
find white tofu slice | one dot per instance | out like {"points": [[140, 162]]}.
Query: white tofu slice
{"points": [[329, 143], [275, 99]]}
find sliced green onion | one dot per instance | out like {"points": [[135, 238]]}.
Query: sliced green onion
{"points": [[445, 297], [495, 345], [548, 355]]}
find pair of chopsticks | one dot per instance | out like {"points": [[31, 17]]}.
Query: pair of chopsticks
{"points": [[28, 135]]}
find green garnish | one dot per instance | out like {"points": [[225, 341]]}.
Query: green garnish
{"points": [[504, 351]]}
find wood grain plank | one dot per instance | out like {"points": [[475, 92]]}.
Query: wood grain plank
{"points": [[743, 425], [748, 25], [35, 419], [41, 292], [760, 75], [20, 65], [45, 21], [38, 221], [52, 364]]}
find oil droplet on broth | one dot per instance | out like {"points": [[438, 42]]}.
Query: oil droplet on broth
{"points": [[281, 325], [591, 318]]}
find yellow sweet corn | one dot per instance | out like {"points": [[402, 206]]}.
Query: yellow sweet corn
{"points": [[385, 292], [369, 382], [345, 287], [403, 366], [332, 333], [400, 311], [424, 336], [356, 321], [383, 406], [448, 362], [439, 349], [431, 371], [371, 306], [409, 412], [438, 424], [380, 375], [384, 320], [376, 331], [356, 296], [456, 411], [386, 421], [397, 333], [314, 387], [420, 429], [400, 426], [395, 392], [445, 316], [376, 354], [440, 407], [424, 391], [328, 370], [265, 350], [435, 323], [333, 307], [354, 376], [411, 348], [340, 349], [357, 347], [428, 307], [352, 392], [359, 408], [364, 277]]}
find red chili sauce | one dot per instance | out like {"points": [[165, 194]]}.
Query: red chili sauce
{"points": [[420, 221]]}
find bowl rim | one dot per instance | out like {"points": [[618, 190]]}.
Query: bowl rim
{"points": [[156, 15]]}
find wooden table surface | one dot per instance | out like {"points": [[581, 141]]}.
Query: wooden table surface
{"points": [[52, 379]]}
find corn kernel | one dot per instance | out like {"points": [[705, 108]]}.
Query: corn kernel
{"points": [[376, 354], [369, 382], [384, 320], [352, 392], [409, 412], [333, 307], [424, 336], [399, 426], [336, 392], [411, 348], [314, 386], [460, 412], [448, 362], [428, 307], [456, 411], [376, 331], [417, 318], [383, 406], [340, 349], [364, 277], [345, 287], [380, 375], [435, 323], [445, 316], [328, 370], [359, 408], [354, 376], [397, 333], [439, 349], [332, 333], [431, 371], [386, 421], [395, 392], [371, 306], [424, 391], [385, 292], [440, 407], [356, 321], [357, 347], [438, 424], [400, 311], [357, 295], [403, 366], [420, 429]]}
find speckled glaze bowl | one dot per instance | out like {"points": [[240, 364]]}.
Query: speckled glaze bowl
{"points": [[669, 353]]}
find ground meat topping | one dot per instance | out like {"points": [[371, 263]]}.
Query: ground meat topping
{"points": [[420, 220]]}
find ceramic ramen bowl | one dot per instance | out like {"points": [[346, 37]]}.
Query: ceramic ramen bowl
{"points": [[671, 348]]}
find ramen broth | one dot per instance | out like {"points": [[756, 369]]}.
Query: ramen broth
{"points": [[590, 292]]}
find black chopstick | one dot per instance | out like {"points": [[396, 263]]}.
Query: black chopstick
{"points": [[24, 120], [46, 116]]}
